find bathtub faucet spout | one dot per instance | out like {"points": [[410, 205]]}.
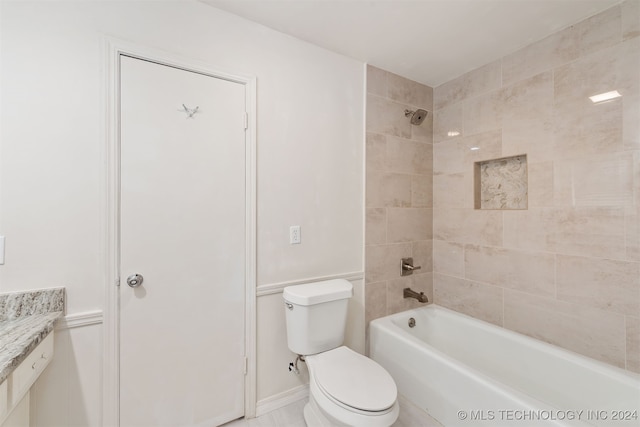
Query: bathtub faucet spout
{"points": [[409, 293]]}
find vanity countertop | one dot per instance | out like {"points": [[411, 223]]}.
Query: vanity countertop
{"points": [[18, 337], [26, 318]]}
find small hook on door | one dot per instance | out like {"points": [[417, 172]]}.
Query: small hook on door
{"points": [[190, 111]]}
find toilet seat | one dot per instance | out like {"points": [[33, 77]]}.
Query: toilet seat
{"points": [[354, 381]]}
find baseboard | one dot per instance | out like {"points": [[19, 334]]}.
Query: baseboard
{"points": [[280, 400], [80, 319]]}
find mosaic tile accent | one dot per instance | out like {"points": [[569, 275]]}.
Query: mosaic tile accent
{"points": [[501, 183]]}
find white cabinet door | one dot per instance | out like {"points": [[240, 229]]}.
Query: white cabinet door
{"points": [[182, 222]]}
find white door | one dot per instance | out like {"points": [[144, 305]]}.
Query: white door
{"points": [[182, 220]]}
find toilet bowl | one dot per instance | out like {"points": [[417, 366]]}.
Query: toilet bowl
{"points": [[345, 387], [348, 389]]}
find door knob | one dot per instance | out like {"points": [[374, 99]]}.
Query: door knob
{"points": [[135, 280]]}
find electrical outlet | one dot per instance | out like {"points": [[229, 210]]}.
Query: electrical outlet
{"points": [[294, 234]]}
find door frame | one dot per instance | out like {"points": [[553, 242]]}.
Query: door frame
{"points": [[113, 49]]}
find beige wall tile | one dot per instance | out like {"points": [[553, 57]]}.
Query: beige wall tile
{"points": [[422, 191], [630, 13], [382, 262], [613, 68], [483, 113], [630, 89], [601, 283], [541, 184], [419, 283], [606, 180], [527, 122], [447, 123], [481, 147], [595, 333], [453, 190], [387, 189], [632, 232], [375, 301], [481, 301], [633, 343], [448, 258], [409, 92], [406, 156], [376, 226], [377, 81], [481, 80], [387, 117], [630, 122], [530, 136], [398, 182], [376, 150], [598, 32], [422, 253], [595, 33], [423, 132], [406, 225], [582, 129], [448, 157], [459, 154], [636, 178], [530, 229], [595, 232], [468, 226], [531, 96], [540, 56], [532, 272]]}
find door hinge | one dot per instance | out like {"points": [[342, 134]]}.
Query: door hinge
{"points": [[246, 365], [246, 120]]}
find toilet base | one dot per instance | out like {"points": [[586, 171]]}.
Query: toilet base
{"points": [[316, 417]]}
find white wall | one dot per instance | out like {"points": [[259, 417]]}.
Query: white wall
{"points": [[310, 156]]}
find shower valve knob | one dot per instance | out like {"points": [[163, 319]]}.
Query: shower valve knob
{"points": [[407, 267]]}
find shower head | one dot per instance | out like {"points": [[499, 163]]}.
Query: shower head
{"points": [[417, 117]]}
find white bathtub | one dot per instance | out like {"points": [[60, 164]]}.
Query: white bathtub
{"points": [[466, 372]]}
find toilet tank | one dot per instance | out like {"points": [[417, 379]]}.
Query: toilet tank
{"points": [[316, 315]]}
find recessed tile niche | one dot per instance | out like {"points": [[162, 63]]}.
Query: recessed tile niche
{"points": [[501, 183]]}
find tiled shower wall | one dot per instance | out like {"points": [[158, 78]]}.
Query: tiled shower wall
{"points": [[565, 270], [398, 192]]}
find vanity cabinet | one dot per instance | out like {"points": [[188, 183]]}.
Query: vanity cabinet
{"points": [[14, 391], [4, 399]]}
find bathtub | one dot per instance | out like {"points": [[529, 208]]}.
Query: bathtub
{"points": [[466, 372]]}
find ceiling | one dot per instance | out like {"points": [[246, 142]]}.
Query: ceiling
{"points": [[429, 41]]}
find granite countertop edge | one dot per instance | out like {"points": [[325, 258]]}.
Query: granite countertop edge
{"points": [[19, 337]]}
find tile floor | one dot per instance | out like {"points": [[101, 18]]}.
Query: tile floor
{"points": [[291, 416]]}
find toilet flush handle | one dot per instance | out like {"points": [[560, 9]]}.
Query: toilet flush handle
{"points": [[289, 305]]}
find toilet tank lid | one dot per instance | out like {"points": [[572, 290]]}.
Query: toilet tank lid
{"points": [[318, 292]]}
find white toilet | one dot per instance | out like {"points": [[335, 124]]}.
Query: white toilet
{"points": [[345, 387]]}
